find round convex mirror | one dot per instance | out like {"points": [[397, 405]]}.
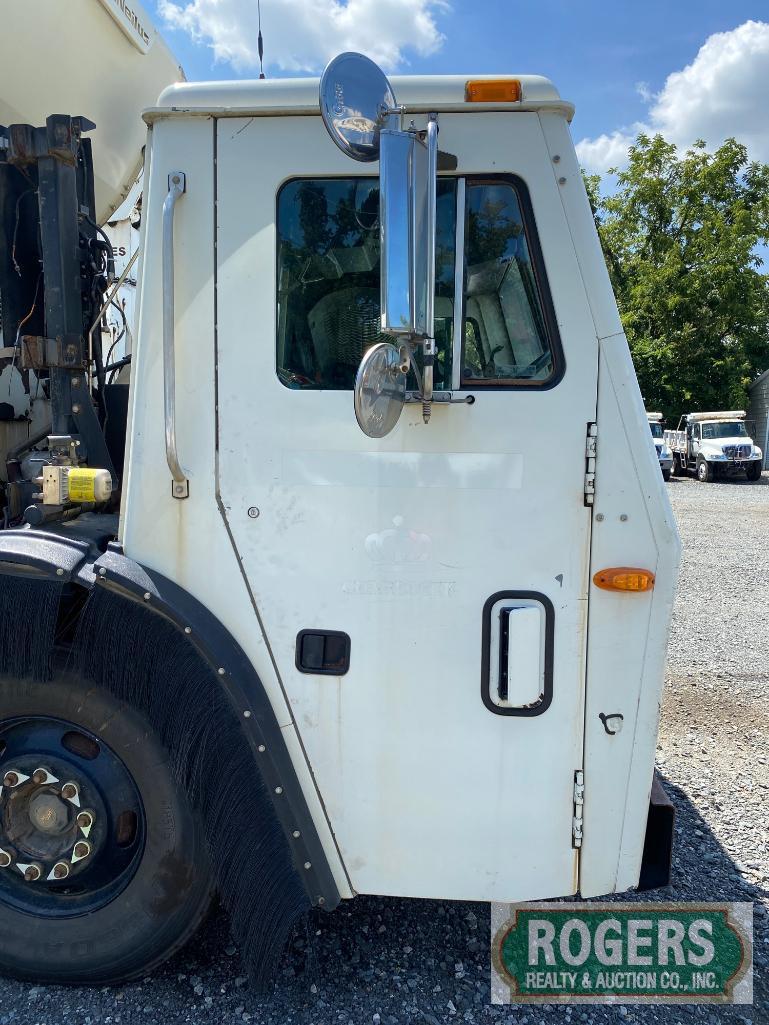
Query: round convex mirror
{"points": [[354, 91], [380, 390]]}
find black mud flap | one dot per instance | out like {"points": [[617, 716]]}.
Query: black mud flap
{"points": [[658, 845]]}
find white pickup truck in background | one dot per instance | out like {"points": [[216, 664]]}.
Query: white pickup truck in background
{"points": [[711, 444], [664, 455]]}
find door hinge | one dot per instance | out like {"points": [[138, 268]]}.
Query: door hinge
{"points": [[579, 803], [591, 446]]}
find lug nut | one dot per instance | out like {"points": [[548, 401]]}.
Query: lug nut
{"points": [[70, 791], [10, 779], [84, 819], [32, 872], [81, 850], [39, 775], [60, 870], [5, 859]]}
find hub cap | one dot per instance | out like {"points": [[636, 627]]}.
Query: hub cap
{"points": [[48, 814], [72, 824]]}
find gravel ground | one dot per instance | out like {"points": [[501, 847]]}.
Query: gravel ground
{"points": [[391, 962]]}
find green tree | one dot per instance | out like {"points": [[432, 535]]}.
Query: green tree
{"points": [[682, 237]]}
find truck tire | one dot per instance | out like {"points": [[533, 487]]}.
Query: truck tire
{"points": [[666, 475], [704, 471], [104, 868], [753, 472], [678, 468]]}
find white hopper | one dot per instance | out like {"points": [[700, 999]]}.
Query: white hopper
{"points": [[100, 58]]}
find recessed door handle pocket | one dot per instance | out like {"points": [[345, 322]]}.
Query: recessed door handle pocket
{"points": [[517, 659]]}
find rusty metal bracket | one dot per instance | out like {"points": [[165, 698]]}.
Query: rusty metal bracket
{"points": [[38, 353], [60, 138]]}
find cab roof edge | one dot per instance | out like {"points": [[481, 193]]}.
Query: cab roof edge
{"points": [[299, 96], [725, 414]]}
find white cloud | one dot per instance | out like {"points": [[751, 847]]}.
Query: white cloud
{"points": [[722, 93], [604, 151], [302, 35]]}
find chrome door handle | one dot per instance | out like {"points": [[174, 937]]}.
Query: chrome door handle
{"points": [[177, 186]]}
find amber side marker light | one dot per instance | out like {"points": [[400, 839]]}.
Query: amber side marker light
{"points": [[497, 90], [624, 578]]}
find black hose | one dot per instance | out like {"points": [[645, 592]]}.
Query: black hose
{"points": [[110, 251], [12, 461], [101, 376], [98, 295], [123, 330], [118, 364]]}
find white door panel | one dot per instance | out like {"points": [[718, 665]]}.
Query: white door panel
{"points": [[400, 543]]}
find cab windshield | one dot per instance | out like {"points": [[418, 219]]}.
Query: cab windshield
{"points": [[724, 429], [656, 429]]}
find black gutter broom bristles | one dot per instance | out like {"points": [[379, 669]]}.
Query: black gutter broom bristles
{"points": [[142, 659], [28, 612]]}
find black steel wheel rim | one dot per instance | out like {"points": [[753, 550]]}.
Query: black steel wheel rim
{"points": [[72, 823]]}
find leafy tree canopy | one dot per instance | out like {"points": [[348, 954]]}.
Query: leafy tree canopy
{"points": [[680, 235]]}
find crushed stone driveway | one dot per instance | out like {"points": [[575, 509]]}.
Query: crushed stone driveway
{"points": [[385, 961]]}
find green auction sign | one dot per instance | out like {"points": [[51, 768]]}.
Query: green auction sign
{"points": [[624, 953]]}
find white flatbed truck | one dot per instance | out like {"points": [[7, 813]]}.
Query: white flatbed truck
{"points": [[664, 455], [714, 444], [249, 646]]}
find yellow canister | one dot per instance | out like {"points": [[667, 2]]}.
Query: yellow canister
{"points": [[87, 485]]}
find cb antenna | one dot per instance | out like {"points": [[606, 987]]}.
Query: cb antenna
{"points": [[259, 40]]}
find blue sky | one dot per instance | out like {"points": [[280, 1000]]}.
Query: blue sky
{"points": [[612, 60]]}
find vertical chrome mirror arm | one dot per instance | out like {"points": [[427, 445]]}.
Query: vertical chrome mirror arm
{"points": [[177, 186], [428, 346], [364, 120]]}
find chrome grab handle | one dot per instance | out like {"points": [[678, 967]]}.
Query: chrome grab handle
{"points": [[177, 185]]}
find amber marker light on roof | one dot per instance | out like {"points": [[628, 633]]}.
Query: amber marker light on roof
{"points": [[494, 90], [624, 578]]}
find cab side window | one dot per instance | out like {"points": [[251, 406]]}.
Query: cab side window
{"points": [[328, 280], [328, 285], [506, 336]]}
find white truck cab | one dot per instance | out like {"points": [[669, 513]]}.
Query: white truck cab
{"points": [[664, 455], [715, 444], [422, 658]]}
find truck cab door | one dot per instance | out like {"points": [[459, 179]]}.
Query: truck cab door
{"points": [[695, 444], [424, 596]]}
